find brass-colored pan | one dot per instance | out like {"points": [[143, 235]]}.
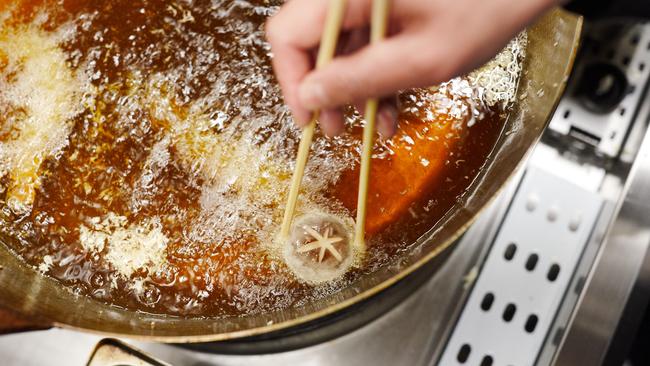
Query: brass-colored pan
{"points": [[553, 42]]}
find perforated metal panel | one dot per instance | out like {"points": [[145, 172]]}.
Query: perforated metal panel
{"points": [[526, 274]]}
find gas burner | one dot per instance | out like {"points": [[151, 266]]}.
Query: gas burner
{"points": [[603, 98], [601, 87]]}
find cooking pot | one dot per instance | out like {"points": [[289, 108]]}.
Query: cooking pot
{"points": [[552, 46]]}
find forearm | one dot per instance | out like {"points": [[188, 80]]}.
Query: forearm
{"points": [[611, 8]]}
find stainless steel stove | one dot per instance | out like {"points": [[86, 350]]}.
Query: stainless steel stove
{"points": [[555, 271]]}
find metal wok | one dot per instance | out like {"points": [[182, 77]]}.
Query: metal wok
{"points": [[553, 42]]}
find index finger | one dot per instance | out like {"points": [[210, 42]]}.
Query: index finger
{"points": [[300, 22], [293, 33]]}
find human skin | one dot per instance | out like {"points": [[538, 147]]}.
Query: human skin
{"points": [[429, 42]]}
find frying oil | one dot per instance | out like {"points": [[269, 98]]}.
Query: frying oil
{"points": [[146, 153]]}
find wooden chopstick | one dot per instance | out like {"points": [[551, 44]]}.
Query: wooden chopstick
{"points": [[379, 23], [330, 36]]}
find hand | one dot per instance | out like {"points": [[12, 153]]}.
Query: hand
{"points": [[430, 41]]}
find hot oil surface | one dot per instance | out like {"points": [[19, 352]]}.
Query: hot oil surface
{"points": [[167, 191]]}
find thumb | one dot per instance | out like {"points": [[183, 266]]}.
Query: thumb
{"points": [[375, 71]]}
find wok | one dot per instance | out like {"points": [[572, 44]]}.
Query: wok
{"points": [[553, 42]]}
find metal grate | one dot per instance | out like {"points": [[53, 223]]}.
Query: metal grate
{"points": [[520, 287]]}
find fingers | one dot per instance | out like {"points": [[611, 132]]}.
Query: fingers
{"points": [[300, 22], [374, 71], [290, 66], [293, 34], [387, 119], [331, 122], [387, 115], [362, 72], [352, 41]]}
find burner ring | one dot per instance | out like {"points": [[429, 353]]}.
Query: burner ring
{"points": [[602, 87]]}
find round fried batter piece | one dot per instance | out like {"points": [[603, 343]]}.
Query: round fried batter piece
{"points": [[319, 248]]}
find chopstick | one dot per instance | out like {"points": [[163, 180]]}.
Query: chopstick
{"points": [[379, 23], [330, 36]]}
